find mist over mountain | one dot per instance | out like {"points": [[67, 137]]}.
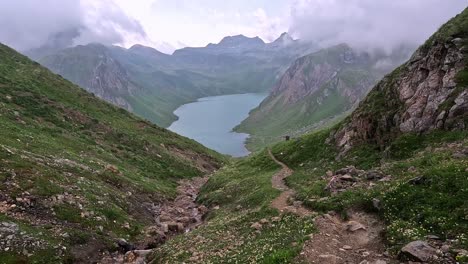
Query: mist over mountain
{"points": [[370, 25], [38, 24]]}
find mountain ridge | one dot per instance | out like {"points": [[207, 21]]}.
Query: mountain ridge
{"points": [[153, 84], [316, 89]]}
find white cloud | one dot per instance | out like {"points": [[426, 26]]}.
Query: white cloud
{"points": [[29, 24], [370, 24], [166, 24]]}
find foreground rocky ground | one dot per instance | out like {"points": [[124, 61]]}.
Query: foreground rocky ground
{"points": [[170, 218]]}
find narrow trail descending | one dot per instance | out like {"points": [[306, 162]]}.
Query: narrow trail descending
{"points": [[357, 240], [282, 202]]}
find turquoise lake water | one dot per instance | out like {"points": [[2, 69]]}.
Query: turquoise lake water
{"points": [[210, 121]]}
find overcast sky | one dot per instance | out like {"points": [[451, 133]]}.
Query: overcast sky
{"points": [[165, 24]]}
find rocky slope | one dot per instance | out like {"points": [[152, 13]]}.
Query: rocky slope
{"points": [[153, 84], [427, 93], [94, 68], [78, 174], [396, 195], [316, 89]]}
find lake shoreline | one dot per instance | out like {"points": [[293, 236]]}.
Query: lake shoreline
{"points": [[211, 121]]}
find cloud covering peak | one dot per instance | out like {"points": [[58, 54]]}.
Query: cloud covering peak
{"points": [[29, 24], [371, 24]]}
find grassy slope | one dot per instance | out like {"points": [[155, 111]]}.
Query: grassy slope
{"points": [[438, 206], [57, 139], [243, 192]]}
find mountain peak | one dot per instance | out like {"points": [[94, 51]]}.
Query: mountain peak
{"points": [[284, 39], [240, 40]]}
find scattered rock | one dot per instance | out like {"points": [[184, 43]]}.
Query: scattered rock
{"points": [[377, 204], [353, 226], [112, 169], [433, 237], [347, 177], [9, 227], [459, 155], [445, 248], [346, 247], [256, 226], [374, 175], [297, 203], [330, 259], [276, 219], [418, 251], [418, 180], [124, 246], [264, 221]]}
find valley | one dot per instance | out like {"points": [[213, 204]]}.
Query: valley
{"points": [[241, 151]]}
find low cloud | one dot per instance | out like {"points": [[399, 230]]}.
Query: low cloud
{"points": [[28, 24], [371, 24]]}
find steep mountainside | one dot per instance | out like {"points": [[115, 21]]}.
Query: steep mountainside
{"points": [[427, 93], [153, 84], [78, 173], [316, 89], [396, 195], [94, 68]]}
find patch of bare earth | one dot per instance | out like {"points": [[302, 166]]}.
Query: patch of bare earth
{"points": [[201, 161], [357, 240]]}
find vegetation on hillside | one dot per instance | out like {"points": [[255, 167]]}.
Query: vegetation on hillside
{"points": [[75, 169], [420, 191]]}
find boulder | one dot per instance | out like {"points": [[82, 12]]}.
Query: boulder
{"points": [[418, 251]]}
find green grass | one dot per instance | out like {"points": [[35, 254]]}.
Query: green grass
{"points": [[438, 206], [57, 139], [243, 192]]}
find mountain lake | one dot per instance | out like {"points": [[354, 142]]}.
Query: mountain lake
{"points": [[210, 121]]}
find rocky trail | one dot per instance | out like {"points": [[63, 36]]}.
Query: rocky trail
{"points": [[285, 201], [357, 240], [171, 218]]}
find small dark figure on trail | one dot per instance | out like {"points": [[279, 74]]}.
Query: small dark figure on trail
{"points": [[287, 138]]}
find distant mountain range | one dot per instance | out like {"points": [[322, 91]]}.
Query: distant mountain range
{"points": [[153, 84]]}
